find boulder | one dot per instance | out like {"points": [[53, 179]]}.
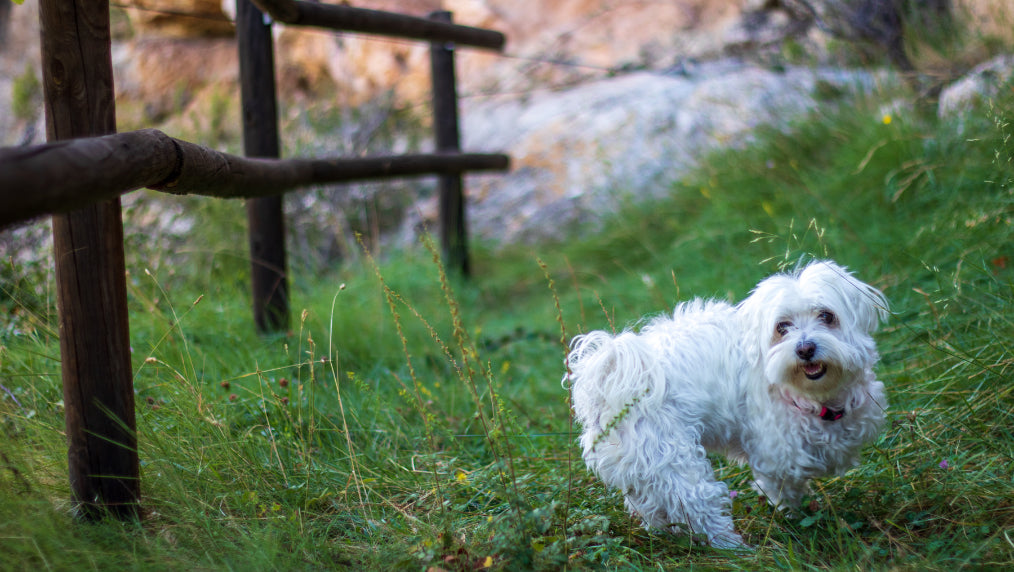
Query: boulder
{"points": [[579, 154], [178, 19], [980, 84], [549, 44], [166, 74]]}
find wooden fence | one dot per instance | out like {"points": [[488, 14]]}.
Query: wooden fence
{"points": [[79, 176]]}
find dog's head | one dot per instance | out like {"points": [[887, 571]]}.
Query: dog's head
{"points": [[812, 330]]}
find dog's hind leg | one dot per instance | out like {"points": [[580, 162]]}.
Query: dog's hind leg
{"points": [[684, 493]]}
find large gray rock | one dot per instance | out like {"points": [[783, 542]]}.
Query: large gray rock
{"points": [[579, 154], [978, 85]]}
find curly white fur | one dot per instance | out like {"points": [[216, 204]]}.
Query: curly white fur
{"points": [[782, 381]]}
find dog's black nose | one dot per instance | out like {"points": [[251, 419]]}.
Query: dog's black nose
{"points": [[805, 350]]}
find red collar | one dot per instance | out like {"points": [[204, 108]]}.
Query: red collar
{"points": [[826, 413]]}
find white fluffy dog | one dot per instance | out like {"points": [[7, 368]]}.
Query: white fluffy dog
{"points": [[782, 381]]}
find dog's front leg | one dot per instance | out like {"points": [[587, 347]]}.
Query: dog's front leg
{"points": [[782, 492]]}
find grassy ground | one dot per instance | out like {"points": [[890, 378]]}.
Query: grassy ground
{"points": [[410, 421]]}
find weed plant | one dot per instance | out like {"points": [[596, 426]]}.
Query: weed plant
{"points": [[412, 420]]}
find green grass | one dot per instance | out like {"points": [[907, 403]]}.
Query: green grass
{"points": [[410, 421]]}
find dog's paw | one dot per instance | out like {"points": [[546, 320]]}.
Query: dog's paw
{"points": [[730, 541], [784, 498]]}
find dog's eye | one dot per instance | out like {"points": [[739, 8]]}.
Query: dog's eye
{"points": [[826, 317], [783, 328]]}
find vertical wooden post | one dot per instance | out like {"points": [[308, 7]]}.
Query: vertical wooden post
{"points": [[98, 394], [260, 139], [453, 232]]}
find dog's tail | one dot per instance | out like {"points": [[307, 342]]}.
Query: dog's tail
{"points": [[610, 376]]}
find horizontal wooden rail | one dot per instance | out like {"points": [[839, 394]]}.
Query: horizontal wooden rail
{"points": [[59, 177], [349, 19]]}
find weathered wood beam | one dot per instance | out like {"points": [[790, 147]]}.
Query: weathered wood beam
{"points": [[98, 393], [269, 281], [61, 176], [66, 175], [349, 19], [453, 232]]}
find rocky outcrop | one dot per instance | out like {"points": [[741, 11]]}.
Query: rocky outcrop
{"points": [[980, 84], [152, 19], [554, 44], [550, 44], [584, 136], [165, 74], [578, 154]]}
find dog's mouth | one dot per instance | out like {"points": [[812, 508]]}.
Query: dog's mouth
{"points": [[814, 370]]}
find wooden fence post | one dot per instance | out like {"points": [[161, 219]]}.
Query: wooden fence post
{"points": [[98, 394], [260, 139], [453, 232]]}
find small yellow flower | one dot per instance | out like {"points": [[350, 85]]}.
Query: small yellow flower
{"points": [[887, 119], [461, 477], [488, 563]]}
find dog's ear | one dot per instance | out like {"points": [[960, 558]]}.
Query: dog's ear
{"points": [[758, 315], [856, 302]]}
